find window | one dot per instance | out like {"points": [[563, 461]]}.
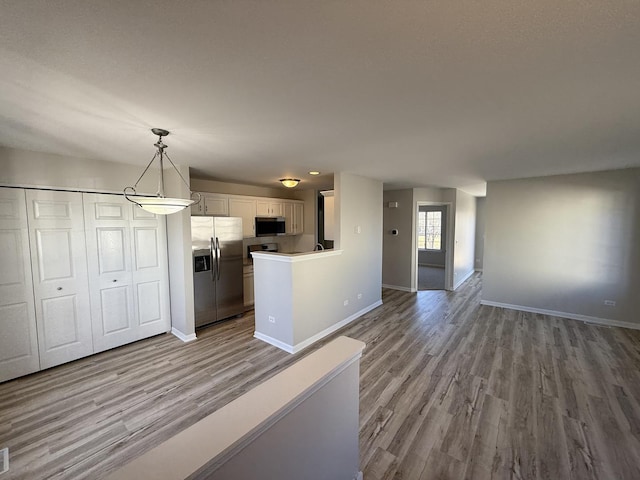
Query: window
{"points": [[430, 230]]}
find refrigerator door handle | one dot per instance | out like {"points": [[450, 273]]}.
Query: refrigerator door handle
{"points": [[214, 261], [218, 255]]}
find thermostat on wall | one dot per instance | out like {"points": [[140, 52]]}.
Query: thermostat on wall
{"points": [[393, 205]]}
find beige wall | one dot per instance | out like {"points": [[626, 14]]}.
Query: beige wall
{"points": [[396, 264], [480, 229], [465, 237], [34, 169], [566, 244]]}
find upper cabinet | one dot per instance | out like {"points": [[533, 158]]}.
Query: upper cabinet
{"points": [[267, 207], [245, 208], [211, 204], [248, 208]]}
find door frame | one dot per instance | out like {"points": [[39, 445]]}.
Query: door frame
{"points": [[449, 233]]}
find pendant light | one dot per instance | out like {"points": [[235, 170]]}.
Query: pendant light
{"points": [[289, 182], [159, 204]]}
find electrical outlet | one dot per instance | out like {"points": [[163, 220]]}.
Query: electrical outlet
{"points": [[359, 296], [272, 319], [610, 303], [346, 302]]}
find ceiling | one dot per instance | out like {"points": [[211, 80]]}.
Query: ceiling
{"points": [[413, 93]]}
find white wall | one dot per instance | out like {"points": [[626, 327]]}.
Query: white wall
{"points": [[480, 231], [465, 237], [566, 244], [396, 263], [358, 204]]}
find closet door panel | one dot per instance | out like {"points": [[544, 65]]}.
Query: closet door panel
{"points": [[59, 265], [107, 219], [18, 338], [150, 273]]}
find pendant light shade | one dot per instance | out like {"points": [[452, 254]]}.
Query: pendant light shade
{"points": [[159, 204], [289, 182]]}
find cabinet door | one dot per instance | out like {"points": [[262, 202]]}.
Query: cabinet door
{"points": [[287, 208], [276, 209], [216, 205], [150, 272], [298, 216], [18, 337], [59, 265], [109, 265], [263, 208], [246, 209], [198, 208], [248, 290]]}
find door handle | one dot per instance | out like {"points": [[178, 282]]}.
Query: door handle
{"points": [[218, 255], [213, 264]]}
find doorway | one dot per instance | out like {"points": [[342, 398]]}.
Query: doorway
{"points": [[432, 237]]}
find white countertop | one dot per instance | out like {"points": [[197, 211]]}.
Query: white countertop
{"points": [[295, 257]]}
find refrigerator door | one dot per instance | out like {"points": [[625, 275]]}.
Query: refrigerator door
{"points": [[203, 287], [228, 274]]}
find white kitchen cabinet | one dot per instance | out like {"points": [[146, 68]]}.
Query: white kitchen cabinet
{"points": [[18, 335], [211, 204], [298, 218], [294, 217], [60, 281], [127, 271], [288, 213], [267, 207], [247, 278], [245, 208]]}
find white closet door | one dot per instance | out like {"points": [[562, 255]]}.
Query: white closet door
{"points": [[18, 337], [150, 272], [59, 265], [109, 260]]}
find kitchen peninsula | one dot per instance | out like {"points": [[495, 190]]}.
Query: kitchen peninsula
{"points": [[291, 290]]}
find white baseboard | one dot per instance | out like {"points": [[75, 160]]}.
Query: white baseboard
{"points": [[464, 279], [185, 338], [398, 287], [272, 341], [318, 336], [572, 316]]}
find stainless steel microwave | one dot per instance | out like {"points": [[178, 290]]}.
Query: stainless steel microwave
{"points": [[270, 226]]}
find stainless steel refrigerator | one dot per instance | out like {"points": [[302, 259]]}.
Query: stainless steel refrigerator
{"points": [[217, 268]]}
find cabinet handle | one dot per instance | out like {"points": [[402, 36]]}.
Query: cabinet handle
{"points": [[115, 281], [59, 288]]}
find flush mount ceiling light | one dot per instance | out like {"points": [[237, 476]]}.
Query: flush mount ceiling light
{"points": [[314, 172], [159, 205], [289, 182]]}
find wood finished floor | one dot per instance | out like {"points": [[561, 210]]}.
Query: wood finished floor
{"points": [[449, 390]]}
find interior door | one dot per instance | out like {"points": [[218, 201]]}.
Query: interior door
{"points": [[18, 336], [109, 263], [150, 273], [59, 265]]}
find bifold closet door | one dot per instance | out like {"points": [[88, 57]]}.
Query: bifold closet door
{"points": [[59, 265], [18, 337], [110, 280], [127, 270]]}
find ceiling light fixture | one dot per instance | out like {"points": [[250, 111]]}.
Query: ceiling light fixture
{"points": [[289, 182], [314, 172], [159, 205]]}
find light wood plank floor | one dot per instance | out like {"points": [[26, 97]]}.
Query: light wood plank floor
{"points": [[449, 390]]}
